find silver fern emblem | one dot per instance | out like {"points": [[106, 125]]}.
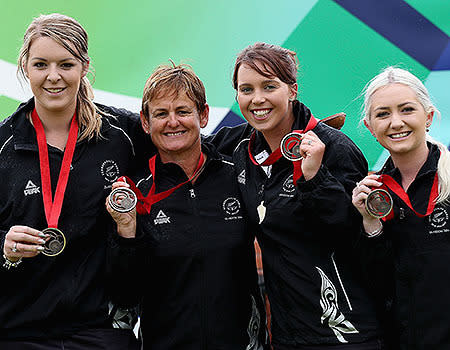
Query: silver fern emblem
{"points": [[329, 303]]}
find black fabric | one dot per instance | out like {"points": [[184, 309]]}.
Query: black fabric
{"points": [[421, 253], [47, 297], [92, 339], [193, 263], [316, 288]]}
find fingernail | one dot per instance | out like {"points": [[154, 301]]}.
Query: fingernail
{"points": [[41, 234], [40, 248], [41, 241]]}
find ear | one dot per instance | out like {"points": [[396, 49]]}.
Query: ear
{"points": [[85, 69], [368, 127], [293, 89], [145, 123], [204, 117], [429, 119]]}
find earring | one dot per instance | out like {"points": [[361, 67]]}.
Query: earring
{"points": [[427, 125]]}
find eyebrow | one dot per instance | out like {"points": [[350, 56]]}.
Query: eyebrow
{"points": [[263, 82], [44, 59], [400, 105]]}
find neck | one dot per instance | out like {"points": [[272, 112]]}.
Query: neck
{"points": [[55, 121], [56, 125], [409, 165], [188, 161], [275, 135]]}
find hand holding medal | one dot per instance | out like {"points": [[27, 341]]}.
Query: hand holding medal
{"points": [[370, 200]]}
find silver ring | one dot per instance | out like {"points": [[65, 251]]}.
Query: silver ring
{"points": [[309, 142], [14, 247]]}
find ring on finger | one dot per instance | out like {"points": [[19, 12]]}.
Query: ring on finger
{"points": [[14, 247], [309, 142]]}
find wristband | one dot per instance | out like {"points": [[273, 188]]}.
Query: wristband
{"points": [[375, 233]]}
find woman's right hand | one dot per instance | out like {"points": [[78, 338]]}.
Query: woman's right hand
{"points": [[126, 222], [359, 196], [23, 242]]}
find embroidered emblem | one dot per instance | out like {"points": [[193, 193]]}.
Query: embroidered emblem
{"points": [[161, 218], [329, 302], [241, 177], [110, 170], [31, 188], [253, 327]]}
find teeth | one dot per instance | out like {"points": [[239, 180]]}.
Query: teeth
{"points": [[54, 90], [400, 135], [174, 133], [261, 112]]}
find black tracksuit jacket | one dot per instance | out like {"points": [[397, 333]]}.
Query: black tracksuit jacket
{"points": [[49, 297], [420, 248], [316, 289], [192, 263]]}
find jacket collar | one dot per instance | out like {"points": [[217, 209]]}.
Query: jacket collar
{"points": [[429, 167]]}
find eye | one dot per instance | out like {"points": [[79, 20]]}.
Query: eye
{"points": [[408, 109], [270, 87], [159, 115], [245, 89], [184, 112], [382, 114], [67, 65], [39, 64]]}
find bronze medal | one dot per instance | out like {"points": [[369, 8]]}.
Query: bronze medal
{"points": [[56, 243], [122, 199], [379, 203]]}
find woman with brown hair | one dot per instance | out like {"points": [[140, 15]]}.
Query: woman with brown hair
{"points": [[296, 175], [59, 155]]}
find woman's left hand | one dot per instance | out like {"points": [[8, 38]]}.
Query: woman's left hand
{"points": [[312, 150]]}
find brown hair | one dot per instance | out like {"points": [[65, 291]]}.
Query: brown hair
{"points": [[67, 32], [171, 80], [269, 61]]}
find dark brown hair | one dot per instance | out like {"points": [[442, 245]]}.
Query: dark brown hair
{"points": [[269, 61]]}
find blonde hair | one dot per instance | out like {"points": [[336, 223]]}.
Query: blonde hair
{"points": [[394, 75], [171, 80], [67, 32]]}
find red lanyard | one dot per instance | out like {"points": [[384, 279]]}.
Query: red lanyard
{"points": [[144, 204], [276, 155], [53, 208], [389, 182]]}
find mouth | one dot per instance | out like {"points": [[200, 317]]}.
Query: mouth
{"points": [[399, 135], [261, 114], [174, 133], [54, 90]]}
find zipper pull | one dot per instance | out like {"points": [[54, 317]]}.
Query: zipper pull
{"points": [[402, 214], [191, 191]]}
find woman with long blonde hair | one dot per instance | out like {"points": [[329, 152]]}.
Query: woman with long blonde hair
{"points": [[412, 217], [59, 155]]}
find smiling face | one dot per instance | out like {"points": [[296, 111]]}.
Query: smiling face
{"points": [[398, 120], [174, 124], [54, 75], [264, 101]]}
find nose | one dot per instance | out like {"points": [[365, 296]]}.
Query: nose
{"points": [[258, 98], [53, 74], [172, 120], [396, 121]]}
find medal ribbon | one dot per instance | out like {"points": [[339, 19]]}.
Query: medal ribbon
{"points": [[144, 204], [276, 155], [53, 207], [390, 183]]}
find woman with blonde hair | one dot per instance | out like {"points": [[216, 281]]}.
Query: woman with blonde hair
{"points": [[59, 155], [412, 217]]}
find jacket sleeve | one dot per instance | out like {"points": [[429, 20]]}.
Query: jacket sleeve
{"points": [[130, 123], [126, 259], [327, 196]]}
